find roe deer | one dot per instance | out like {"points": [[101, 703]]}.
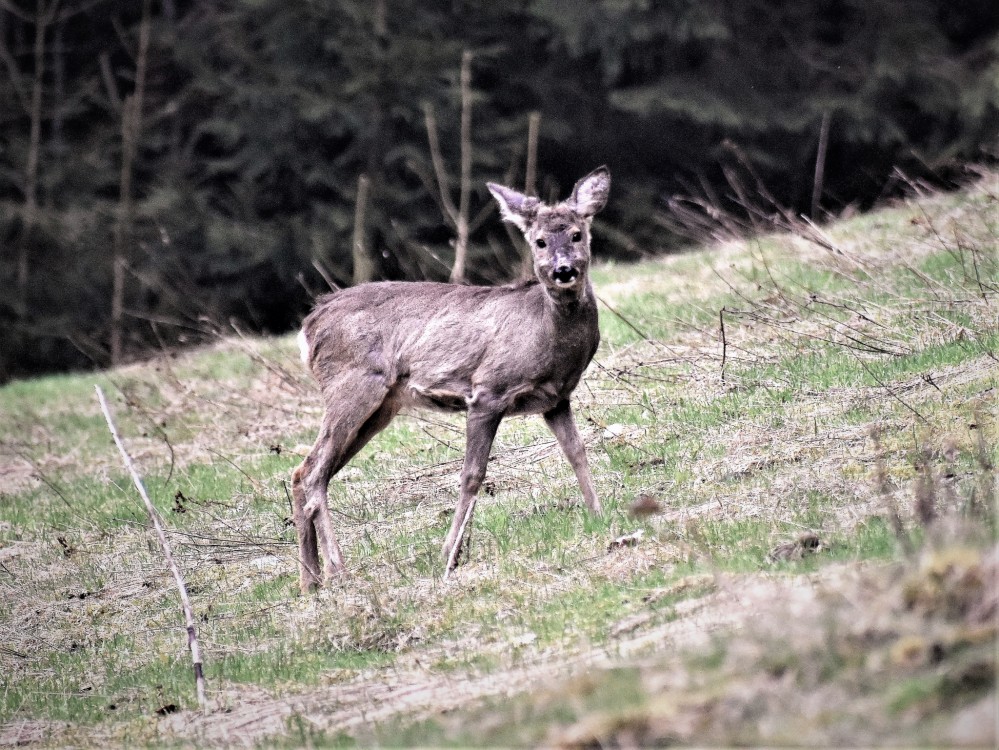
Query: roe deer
{"points": [[492, 351]]}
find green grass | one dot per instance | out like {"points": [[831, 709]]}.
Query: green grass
{"points": [[295, 666]]}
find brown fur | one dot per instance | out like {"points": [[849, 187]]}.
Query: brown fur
{"points": [[378, 348]]}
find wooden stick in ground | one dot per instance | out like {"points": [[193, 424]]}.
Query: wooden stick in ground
{"points": [[192, 637]]}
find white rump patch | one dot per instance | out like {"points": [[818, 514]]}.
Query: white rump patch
{"points": [[303, 347]]}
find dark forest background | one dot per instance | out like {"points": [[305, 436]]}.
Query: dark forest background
{"points": [[172, 167]]}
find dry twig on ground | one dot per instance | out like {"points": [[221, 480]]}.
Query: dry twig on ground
{"points": [[192, 636]]}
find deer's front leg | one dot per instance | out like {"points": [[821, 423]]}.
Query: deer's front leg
{"points": [[483, 421], [560, 421]]}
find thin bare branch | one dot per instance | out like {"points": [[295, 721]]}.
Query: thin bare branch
{"points": [[481, 217], [110, 87], [122, 33], [13, 70], [324, 272], [67, 13], [8, 6], [192, 636], [427, 178], [440, 171]]}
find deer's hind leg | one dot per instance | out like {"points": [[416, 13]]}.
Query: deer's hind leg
{"points": [[357, 408], [308, 551]]}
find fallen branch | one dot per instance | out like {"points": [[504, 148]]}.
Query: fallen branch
{"points": [[192, 637]]}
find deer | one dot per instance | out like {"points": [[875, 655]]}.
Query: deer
{"points": [[378, 348]]}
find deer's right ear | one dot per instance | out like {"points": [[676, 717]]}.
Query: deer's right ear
{"points": [[515, 207], [590, 193]]}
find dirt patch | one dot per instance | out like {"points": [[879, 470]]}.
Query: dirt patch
{"points": [[413, 693], [34, 732]]}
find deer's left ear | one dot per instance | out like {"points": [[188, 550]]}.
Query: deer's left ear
{"points": [[590, 193], [515, 207]]}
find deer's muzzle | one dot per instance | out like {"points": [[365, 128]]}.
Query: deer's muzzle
{"points": [[565, 275]]}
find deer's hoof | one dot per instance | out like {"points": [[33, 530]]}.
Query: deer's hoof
{"points": [[460, 558]]}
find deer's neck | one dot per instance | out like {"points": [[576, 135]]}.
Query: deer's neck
{"points": [[571, 303]]}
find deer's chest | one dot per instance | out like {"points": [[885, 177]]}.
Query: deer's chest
{"points": [[519, 364]]}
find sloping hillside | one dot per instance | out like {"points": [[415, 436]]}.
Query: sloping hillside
{"points": [[794, 439]]}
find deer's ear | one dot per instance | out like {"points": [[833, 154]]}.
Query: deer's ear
{"points": [[590, 193], [515, 207]]}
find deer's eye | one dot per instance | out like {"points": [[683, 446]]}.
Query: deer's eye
{"points": [[577, 236], [540, 242]]}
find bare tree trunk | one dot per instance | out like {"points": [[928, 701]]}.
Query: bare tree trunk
{"points": [[531, 170], [58, 91], [29, 217], [364, 268], [464, 198], [457, 216], [380, 23], [131, 128], [820, 166], [11, 65], [530, 188]]}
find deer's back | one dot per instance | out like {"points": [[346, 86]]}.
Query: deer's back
{"points": [[440, 344]]}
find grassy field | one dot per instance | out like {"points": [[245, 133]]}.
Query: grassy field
{"points": [[802, 427]]}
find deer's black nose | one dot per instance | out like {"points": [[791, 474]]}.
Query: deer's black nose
{"points": [[564, 274]]}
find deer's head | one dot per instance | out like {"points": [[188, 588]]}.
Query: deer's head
{"points": [[559, 235]]}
